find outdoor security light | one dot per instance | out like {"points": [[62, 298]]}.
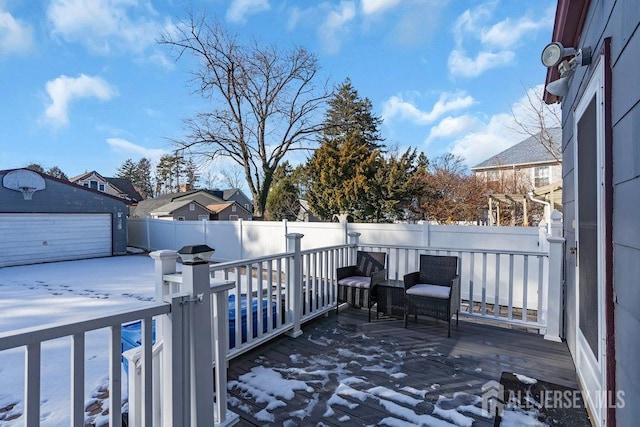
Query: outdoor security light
{"points": [[553, 54], [195, 254]]}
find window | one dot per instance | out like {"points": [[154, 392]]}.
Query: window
{"points": [[203, 217], [233, 217], [180, 218], [101, 187], [233, 208], [493, 175], [192, 206], [85, 184], [246, 206], [93, 185], [541, 176]]}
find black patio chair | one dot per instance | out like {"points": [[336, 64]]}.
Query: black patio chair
{"points": [[356, 282], [433, 291]]}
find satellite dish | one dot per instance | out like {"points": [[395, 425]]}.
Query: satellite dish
{"points": [[25, 181]]}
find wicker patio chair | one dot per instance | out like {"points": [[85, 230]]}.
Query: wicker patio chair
{"points": [[356, 282], [433, 291]]}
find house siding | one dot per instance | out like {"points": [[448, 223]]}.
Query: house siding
{"points": [[188, 214], [618, 20]]}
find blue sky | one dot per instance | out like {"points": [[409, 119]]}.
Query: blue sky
{"points": [[86, 86]]}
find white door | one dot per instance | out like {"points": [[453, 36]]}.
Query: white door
{"points": [[591, 348], [33, 238]]}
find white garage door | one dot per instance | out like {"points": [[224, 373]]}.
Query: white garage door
{"points": [[34, 238]]}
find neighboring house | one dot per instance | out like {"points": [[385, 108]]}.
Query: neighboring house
{"points": [[236, 195], [189, 206], [601, 188], [119, 187], [45, 219], [305, 214], [530, 159], [530, 166], [229, 211], [182, 210]]}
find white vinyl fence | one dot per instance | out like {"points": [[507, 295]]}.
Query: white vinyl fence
{"points": [[236, 240]]}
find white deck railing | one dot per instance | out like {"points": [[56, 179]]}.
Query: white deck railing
{"points": [[32, 338], [286, 289]]}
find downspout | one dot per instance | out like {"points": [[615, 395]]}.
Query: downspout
{"points": [[547, 209]]}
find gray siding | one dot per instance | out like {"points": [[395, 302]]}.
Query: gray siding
{"points": [[619, 20], [60, 197], [190, 215]]}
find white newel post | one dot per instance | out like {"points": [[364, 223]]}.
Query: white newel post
{"points": [[295, 282], [354, 239], [220, 325], [165, 263], [554, 295], [195, 281]]}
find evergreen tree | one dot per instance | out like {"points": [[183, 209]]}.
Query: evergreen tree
{"points": [[342, 168], [139, 174], [283, 201], [174, 173]]}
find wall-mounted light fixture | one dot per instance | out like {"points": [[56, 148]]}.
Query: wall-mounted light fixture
{"points": [[553, 55]]}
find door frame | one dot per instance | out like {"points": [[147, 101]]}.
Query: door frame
{"points": [[592, 369]]}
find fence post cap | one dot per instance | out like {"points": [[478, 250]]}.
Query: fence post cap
{"points": [[164, 254]]}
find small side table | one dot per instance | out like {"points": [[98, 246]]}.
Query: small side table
{"points": [[390, 298]]}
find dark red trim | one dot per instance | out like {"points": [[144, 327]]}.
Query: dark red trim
{"points": [[567, 28], [608, 260]]}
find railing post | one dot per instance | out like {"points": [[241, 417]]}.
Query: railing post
{"points": [[354, 239], [295, 281], [195, 281], [165, 263], [174, 392], [220, 325], [553, 297], [543, 233]]}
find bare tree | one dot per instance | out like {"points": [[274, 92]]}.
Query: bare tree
{"points": [[536, 118], [232, 176], [263, 100]]}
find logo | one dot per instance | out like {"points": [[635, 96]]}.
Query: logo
{"points": [[493, 398]]}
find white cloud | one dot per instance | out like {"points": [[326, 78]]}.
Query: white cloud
{"points": [[239, 9], [370, 7], [334, 28], [105, 25], [396, 106], [495, 41], [451, 127], [124, 146], [464, 66], [15, 36], [501, 131], [508, 33], [63, 90]]}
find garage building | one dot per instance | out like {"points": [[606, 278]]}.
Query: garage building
{"points": [[44, 219]]}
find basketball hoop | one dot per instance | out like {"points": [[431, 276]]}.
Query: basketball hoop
{"points": [[25, 181], [27, 192]]}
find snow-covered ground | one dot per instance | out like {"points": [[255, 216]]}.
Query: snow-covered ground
{"points": [[45, 293], [34, 295]]}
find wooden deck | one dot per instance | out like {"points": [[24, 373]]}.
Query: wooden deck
{"points": [[345, 371]]}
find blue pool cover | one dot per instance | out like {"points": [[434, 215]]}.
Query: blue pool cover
{"points": [[132, 334]]}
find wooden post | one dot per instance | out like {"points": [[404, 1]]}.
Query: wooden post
{"points": [[553, 297], [295, 282]]}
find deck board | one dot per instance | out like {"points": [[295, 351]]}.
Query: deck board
{"points": [[344, 357]]}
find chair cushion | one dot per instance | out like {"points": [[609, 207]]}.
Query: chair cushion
{"points": [[433, 291], [356, 282]]}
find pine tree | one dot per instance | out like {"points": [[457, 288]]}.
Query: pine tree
{"points": [[341, 169], [283, 201]]}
